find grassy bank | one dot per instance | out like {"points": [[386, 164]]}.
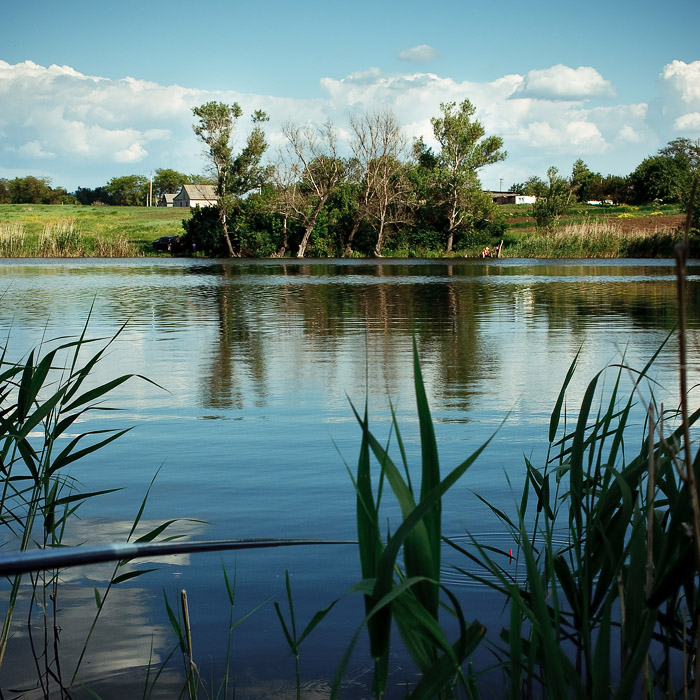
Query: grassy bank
{"points": [[37, 230], [28, 230]]}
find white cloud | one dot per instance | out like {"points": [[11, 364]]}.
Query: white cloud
{"points": [[678, 111], [89, 129], [419, 54], [33, 149], [564, 83], [132, 154], [629, 134], [688, 122], [684, 79]]}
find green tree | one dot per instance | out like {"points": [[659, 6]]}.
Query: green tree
{"points": [[686, 154], [29, 190], [554, 202], [214, 129], [87, 195], [128, 190], [5, 197], [534, 185], [168, 181], [235, 177], [661, 177], [585, 184], [464, 150], [617, 188]]}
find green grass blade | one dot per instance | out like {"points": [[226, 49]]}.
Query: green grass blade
{"points": [[556, 413]]}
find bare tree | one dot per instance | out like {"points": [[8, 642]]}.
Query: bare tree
{"points": [[379, 148], [312, 163], [285, 182]]}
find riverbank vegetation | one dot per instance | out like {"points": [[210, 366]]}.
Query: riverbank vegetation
{"points": [[28, 230]]}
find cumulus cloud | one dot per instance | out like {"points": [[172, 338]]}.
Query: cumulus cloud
{"points": [[564, 83], [34, 149], [419, 54], [679, 109], [684, 79], [85, 129], [688, 122], [629, 134]]}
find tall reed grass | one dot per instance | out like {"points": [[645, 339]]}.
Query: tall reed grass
{"points": [[596, 239], [62, 238]]}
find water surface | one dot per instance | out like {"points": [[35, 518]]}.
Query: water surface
{"points": [[252, 429]]}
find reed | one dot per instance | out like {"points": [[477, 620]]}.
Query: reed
{"points": [[596, 238], [12, 237], [45, 395]]}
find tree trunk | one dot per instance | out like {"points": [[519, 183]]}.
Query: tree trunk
{"points": [[351, 237], [227, 238], [380, 239], [283, 248], [308, 229], [450, 240]]}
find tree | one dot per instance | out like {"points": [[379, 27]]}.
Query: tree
{"points": [[214, 129], [235, 177], [29, 190], [464, 150], [168, 181], [554, 203], [661, 177], [128, 190], [87, 195], [683, 150], [378, 147], [310, 172], [585, 184], [534, 185], [616, 188]]}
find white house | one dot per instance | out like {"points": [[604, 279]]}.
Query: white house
{"points": [[196, 196]]}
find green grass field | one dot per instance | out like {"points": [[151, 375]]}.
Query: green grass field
{"points": [[75, 231]]}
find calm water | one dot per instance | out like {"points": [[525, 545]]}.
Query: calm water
{"points": [[252, 428]]}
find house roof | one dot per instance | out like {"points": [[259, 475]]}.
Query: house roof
{"points": [[169, 196], [199, 192]]}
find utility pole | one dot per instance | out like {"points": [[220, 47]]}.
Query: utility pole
{"points": [[150, 192], [500, 185]]}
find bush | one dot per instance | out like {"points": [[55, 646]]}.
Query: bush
{"points": [[204, 233]]}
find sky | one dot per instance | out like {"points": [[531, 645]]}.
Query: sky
{"points": [[93, 90]]}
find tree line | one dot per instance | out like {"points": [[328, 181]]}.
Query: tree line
{"points": [[389, 195], [386, 195], [126, 190]]}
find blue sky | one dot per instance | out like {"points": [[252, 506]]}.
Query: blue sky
{"points": [[93, 90]]}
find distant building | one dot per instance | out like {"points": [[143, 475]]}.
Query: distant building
{"points": [[166, 200], [196, 196], [512, 198]]}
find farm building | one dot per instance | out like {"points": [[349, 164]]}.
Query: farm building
{"points": [[196, 196], [512, 198], [166, 200]]}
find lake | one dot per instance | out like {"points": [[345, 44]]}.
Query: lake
{"points": [[248, 426]]}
